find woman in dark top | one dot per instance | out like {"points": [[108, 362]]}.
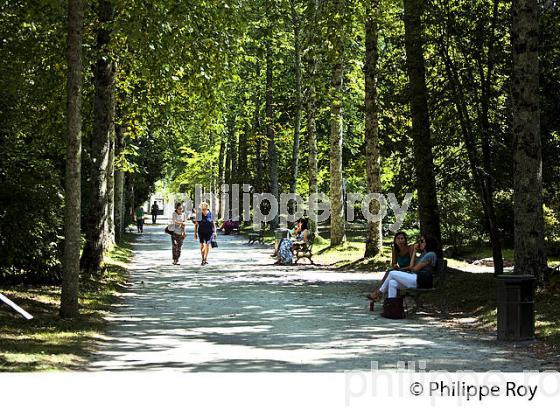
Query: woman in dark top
{"points": [[205, 231], [421, 275]]}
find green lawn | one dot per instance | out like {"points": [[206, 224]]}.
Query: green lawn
{"points": [[47, 342], [471, 296]]}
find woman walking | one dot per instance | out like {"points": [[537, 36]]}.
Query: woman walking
{"points": [[205, 231], [177, 228]]}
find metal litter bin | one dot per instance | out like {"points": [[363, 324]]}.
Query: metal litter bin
{"points": [[516, 307]]}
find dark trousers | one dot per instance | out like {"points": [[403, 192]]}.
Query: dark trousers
{"points": [[154, 217], [140, 224], [176, 245]]}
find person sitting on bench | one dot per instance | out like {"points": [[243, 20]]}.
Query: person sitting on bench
{"points": [[403, 256], [420, 276], [286, 246], [228, 226]]}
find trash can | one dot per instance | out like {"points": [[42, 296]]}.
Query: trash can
{"points": [[516, 307], [280, 234]]}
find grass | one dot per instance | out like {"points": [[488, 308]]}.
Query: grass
{"points": [[472, 303], [48, 342], [471, 296]]}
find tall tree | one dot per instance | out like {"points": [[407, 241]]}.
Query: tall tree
{"points": [[119, 184], [418, 95], [272, 155], [72, 208], [311, 102], [103, 113], [374, 239], [338, 234], [221, 178], [109, 234], [530, 255], [297, 116], [480, 163]]}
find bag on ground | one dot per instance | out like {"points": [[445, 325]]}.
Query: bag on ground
{"points": [[393, 308]]}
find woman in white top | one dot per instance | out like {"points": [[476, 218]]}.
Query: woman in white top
{"points": [[177, 228]]}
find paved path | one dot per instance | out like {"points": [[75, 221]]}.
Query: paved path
{"points": [[241, 313]]}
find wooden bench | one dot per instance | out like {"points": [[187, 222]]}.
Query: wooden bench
{"points": [[440, 282], [256, 237], [305, 249]]}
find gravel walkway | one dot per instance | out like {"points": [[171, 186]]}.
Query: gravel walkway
{"points": [[242, 313]]}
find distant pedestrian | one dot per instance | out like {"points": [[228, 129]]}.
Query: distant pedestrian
{"points": [[155, 210], [177, 228], [140, 219], [192, 215], [205, 230]]}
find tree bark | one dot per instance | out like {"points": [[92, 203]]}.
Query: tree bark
{"points": [[338, 234], [119, 186], [72, 207], [297, 120], [487, 183], [234, 164], [374, 238], [272, 155], [425, 180], [103, 112], [530, 255], [221, 178], [484, 191], [109, 234], [311, 109]]}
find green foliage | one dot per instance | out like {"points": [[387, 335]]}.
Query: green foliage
{"points": [[32, 103], [191, 75]]}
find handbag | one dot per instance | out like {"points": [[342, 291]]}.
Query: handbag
{"points": [[167, 231], [213, 243], [393, 308]]}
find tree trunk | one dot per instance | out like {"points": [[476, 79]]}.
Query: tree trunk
{"points": [[297, 121], [487, 185], [119, 186], [72, 208], [257, 129], [103, 112], [311, 109], [530, 255], [228, 162], [234, 165], [484, 191], [109, 234], [243, 169], [425, 181], [221, 178], [338, 235], [374, 239], [131, 197], [272, 156]]}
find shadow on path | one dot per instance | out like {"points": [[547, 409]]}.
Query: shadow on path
{"points": [[241, 313]]}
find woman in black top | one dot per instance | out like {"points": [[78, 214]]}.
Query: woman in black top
{"points": [[205, 231]]}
